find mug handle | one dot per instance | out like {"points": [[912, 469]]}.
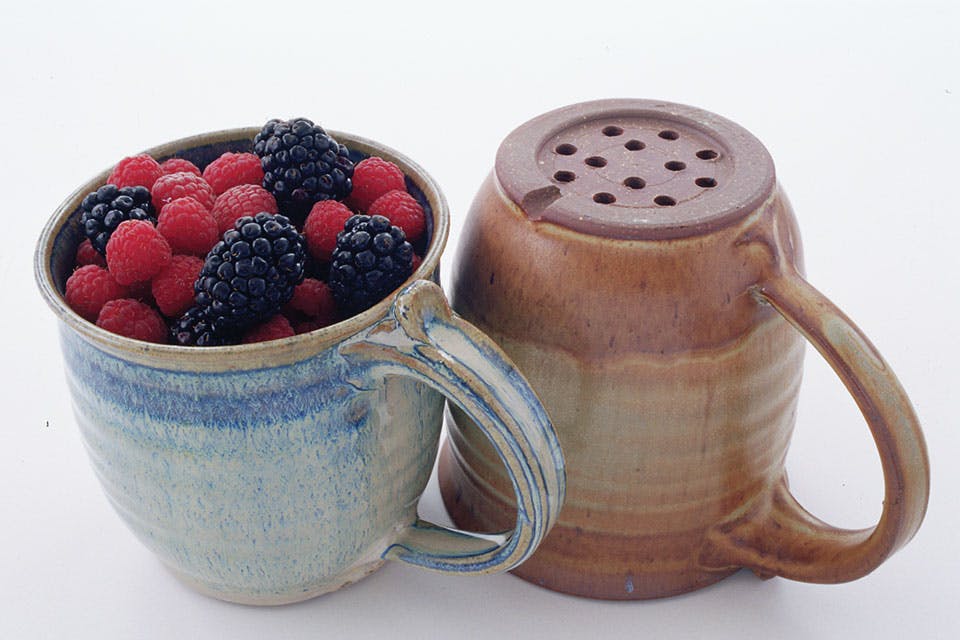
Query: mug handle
{"points": [[778, 537], [422, 338]]}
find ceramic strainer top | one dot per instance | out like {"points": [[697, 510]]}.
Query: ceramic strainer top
{"points": [[634, 169]]}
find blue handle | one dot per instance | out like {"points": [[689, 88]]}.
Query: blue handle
{"points": [[424, 339]]}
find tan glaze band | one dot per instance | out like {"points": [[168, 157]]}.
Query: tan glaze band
{"points": [[776, 536]]}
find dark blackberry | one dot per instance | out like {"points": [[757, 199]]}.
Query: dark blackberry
{"points": [[302, 164], [104, 210], [250, 272], [372, 258], [195, 329]]}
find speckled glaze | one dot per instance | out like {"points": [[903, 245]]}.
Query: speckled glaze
{"points": [[274, 472], [667, 347]]}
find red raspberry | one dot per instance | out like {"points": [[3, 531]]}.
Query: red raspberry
{"points": [[86, 254], [136, 252], [232, 169], [312, 300], [373, 177], [180, 185], [417, 261], [135, 171], [173, 287], [89, 288], [403, 211], [273, 329], [323, 223], [179, 165], [188, 227], [239, 201], [133, 319]]}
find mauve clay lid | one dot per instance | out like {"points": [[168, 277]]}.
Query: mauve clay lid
{"points": [[634, 169]]}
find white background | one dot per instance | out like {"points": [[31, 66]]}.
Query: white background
{"points": [[857, 102]]}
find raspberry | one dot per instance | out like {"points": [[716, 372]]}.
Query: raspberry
{"points": [[136, 252], [242, 200], [325, 221], [89, 288], [232, 169], [135, 171], [133, 319], [403, 211], [179, 165], [179, 185], [173, 287], [312, 300], [86, 254], [373, 177], [417, 261], [273, 329], [188, 227]]}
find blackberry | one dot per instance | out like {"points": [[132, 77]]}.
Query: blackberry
{"points": [[302, 164], [195, 329], [372, 258], [104, 209], [250, 272]]}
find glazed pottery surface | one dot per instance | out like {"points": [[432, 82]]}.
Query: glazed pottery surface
{"points": [[642, 267], [274, 472]]}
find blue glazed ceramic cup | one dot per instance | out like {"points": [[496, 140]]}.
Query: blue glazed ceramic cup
{"points": [[274, 472]]}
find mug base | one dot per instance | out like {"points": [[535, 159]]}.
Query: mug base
{"points": [[277, 599], [615, 589], [560, 563]]}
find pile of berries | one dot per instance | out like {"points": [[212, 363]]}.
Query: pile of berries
{"points": [[285, 239]]}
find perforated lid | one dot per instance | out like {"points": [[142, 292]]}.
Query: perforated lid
{"points": [[634, 169]]}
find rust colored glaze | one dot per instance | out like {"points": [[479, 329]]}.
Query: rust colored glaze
{"points": [[669, 357]]}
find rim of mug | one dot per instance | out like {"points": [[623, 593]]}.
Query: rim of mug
{"points": [[240, 356]]}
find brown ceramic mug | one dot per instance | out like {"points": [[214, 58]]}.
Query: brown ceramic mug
{"points": [[640, 264]]}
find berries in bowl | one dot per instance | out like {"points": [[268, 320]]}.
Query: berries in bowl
{"points": [[236, 224]]}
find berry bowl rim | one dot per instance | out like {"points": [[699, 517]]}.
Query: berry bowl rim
{"points": [[242, 356]]}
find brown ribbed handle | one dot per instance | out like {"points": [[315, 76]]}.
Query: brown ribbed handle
{"points": [[778, 537]]}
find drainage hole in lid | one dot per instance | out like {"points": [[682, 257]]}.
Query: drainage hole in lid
{"points": [[566, 149], [634, 145], [669, 134], [706, 182], [612, 130], [596, 161], [565, 176], [707, 154], [634, 182], [665, 201], [604, 198], [675, 165]]}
